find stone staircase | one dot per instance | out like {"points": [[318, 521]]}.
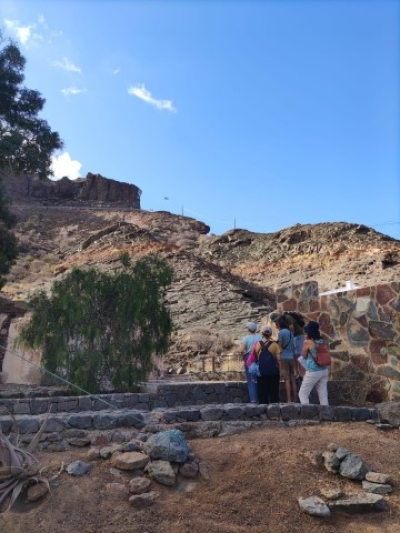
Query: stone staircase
{"points": [[202, 409]]}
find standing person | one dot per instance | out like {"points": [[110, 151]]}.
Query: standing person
{"points": [[315, 376], [267, 353], [246, 347], [288, 363], [296, 326]]}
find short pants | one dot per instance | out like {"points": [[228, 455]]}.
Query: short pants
{"points": [[288, 368]]}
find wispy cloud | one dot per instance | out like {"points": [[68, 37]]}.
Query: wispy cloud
{"points": [[66, 64], [116, 71], [63, 165], [24, 34], [71, 91], [141, 92]]}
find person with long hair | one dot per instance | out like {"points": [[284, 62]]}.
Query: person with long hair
{"points": [[315, 376]]}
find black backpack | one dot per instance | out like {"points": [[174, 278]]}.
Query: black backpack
{"points": [[297, 317], [267, 363]]}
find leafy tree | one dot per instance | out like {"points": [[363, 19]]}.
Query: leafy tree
{"points": [[26, 141], [8, 242], [97, 327]]}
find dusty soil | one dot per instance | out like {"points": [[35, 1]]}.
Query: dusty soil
{"points": [[254, 482]]}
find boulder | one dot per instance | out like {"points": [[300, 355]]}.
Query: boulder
{"points": [[389, 412], [168, 445]]}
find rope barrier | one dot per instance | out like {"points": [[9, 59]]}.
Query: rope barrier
{"points": [[44, 370]]}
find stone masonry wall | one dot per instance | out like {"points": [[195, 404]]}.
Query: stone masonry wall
{"points": [[362, 327]]}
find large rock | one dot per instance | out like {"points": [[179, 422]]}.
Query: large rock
{"points": [[389, 412], [360, 503], [353, 467], [168, 445]]}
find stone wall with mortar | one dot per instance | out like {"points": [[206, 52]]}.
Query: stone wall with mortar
{"points": [[362, 327]]}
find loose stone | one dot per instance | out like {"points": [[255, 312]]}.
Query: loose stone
{"points": [[376, 477], [314, 506], [360, 503], [376, 488], [139, 485], [331, 493], [129, 460], [138, 501]]}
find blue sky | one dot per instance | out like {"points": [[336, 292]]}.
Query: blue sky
{"points": [[255, 115]]}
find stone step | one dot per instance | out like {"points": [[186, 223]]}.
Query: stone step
{"points": [[61, 422]]}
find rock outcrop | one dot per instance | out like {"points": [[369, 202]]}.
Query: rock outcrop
{"points": [[92, 189]]}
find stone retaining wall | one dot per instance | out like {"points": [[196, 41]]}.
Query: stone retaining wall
{"points": [[154, 395], [196, 421], [363, 330]]}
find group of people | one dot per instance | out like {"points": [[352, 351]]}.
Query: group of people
{"points": [[291, 357]]}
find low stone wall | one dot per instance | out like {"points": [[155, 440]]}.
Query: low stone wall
{"points": [[154, 395], [85, 428]]}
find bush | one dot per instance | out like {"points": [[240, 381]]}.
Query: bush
{"points": [[97, 327]]}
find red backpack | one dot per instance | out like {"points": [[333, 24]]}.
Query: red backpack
{"points": [[323, 355]]}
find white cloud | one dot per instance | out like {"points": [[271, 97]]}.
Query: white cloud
{"points": [[23, 33], [141, 92], [66, 64], [63, 165], [116, 71], [71, 91], [26, 34]]}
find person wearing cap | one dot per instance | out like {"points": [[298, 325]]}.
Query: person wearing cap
{"points": [[268, 385], [246, 347], [315, 376]]}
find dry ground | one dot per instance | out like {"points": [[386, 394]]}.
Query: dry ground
{"points": [[255, 480]]}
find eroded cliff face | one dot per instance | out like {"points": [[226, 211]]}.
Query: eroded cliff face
{"points": [[93, 189], [220, 281]]}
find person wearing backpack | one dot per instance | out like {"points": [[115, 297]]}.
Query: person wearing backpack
{"points": [[246, 347], [267, 353], [288, 363], [296, 325], [316, 374]]}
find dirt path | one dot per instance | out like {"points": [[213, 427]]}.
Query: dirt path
{"points": [[255, 480]]}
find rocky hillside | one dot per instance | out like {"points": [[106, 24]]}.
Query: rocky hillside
{"points": [[220, 281]]}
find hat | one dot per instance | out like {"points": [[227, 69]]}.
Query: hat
{"points": [[312, 327], [274, 316], [266, 331], [251, 326]]}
